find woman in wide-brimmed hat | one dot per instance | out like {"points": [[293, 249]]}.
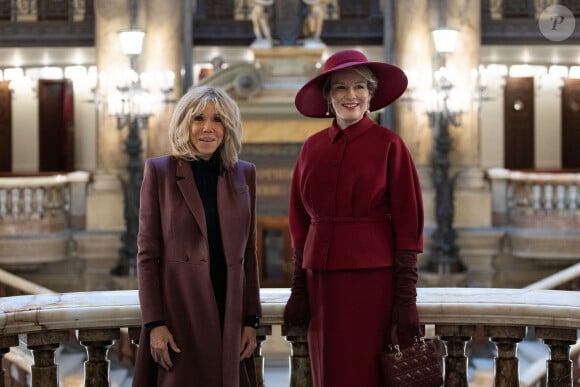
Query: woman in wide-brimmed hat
{"points": [[356, 221]]}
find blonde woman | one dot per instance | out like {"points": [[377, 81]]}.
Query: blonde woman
{"points": [[196, 263]]}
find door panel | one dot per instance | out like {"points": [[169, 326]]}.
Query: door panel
{"points": [[519, 123], [571, 124], [56, 125], [5, 127]]}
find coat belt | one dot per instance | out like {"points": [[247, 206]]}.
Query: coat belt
{"points": [[351, 219]]}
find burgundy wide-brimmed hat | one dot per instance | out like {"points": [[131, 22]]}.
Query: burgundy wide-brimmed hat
{"points": [[392, 82]]}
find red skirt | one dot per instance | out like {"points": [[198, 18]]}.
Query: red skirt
{"points": [[350, 315]]}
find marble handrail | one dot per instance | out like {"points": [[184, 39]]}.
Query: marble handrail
{"points": [[458, 306], [42, 322], [558, 280], [18, 285]]}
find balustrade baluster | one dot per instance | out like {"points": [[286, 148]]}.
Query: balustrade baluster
{"points": [[506, 362], [15, 193], [27, 202], [5, 343], [40, 201], [97, 342], [3, 203], [262, 334], [51, 202], [65, 198], [26, 11], [456, 338], [510, 197], [572, 197], [548, 196], [300, 372], [537, 197], [560, 197], [43, 345], [559, 367], [78, 13]]}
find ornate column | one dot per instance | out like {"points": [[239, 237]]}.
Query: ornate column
{"points": [[413, 52], [465, 16], [162, 52], [111, 16], [105, 199]]}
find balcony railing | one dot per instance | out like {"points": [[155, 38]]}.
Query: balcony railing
{"points": [[45, 321], [536, 199], [47, 22], [42, 203], [38, 213]]}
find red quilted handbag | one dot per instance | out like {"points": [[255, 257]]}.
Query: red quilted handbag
{"points": [[418, 365]]}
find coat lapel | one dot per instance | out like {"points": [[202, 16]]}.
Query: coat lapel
{"points": [[186, 184]]}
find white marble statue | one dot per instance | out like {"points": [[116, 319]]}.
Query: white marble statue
{"points": [[260, 16], [313, 22]]}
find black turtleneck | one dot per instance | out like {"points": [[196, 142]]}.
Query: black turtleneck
{"points": [[206, 174]]}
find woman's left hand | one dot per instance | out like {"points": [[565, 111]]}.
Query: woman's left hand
{"points": [[248, 343]]}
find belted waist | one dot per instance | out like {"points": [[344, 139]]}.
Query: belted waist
{"points": [[351, 219]]}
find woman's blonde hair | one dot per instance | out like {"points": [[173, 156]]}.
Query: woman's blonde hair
{"points": [[192, 104]]}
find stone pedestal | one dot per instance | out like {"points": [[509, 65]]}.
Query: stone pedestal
{"points": [[287, 67]]}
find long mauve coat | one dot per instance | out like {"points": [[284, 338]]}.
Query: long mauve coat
{"points": [[174, 275]]}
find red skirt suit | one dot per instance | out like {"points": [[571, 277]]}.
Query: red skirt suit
{"points": [[355, 199]]}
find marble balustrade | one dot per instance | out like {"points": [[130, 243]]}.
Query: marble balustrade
{"points": [[43, 203], [535, 199], [45, 321]]}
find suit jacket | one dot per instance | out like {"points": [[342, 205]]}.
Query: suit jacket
{"points": [[355, 198], [174, 274]]}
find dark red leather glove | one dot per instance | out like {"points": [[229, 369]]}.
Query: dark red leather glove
{"points": [[297, 310], [405, 313]]}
